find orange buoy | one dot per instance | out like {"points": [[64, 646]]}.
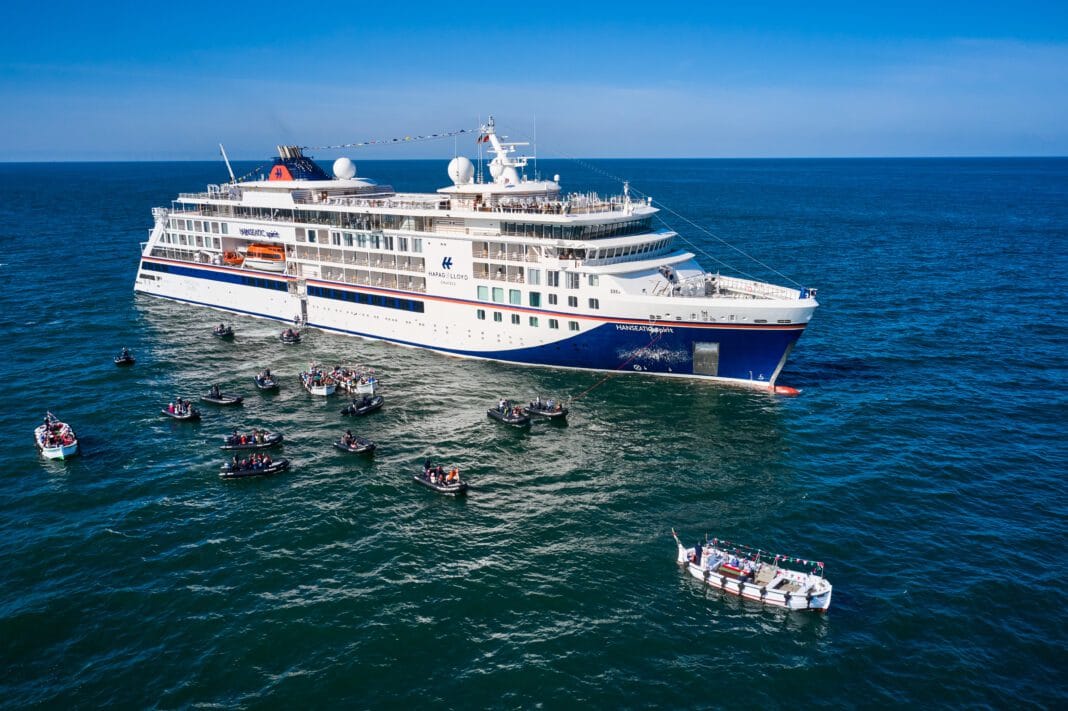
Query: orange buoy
{"points": [[786, 390]]}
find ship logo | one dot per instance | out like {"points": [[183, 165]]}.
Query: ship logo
{"points": [[446, 263]]}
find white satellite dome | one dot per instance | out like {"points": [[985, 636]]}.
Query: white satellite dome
{"points": [[496, 169], [344, 169], [510, 176], [461, 171]]}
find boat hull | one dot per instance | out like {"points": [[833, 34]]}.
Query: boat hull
{"points": [[224, 400], [789, 601], [272, 439], [225, 472], [191, 417], [787, 589], [67, 450], [514, 421], [746, 354], [361, 447], [264, 265], [445, 489], [375, 404]]}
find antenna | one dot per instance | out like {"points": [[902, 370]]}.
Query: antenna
{"points": [[537, 176], [227, 161]]}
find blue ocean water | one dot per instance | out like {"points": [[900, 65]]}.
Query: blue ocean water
{"points": [[923, 463]]}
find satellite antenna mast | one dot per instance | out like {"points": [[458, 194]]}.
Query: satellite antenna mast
{"points": [[227, 161], [536, 175]]}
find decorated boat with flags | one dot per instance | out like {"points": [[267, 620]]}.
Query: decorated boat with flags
{"points": [[772, 579], [317, 381], [55, 439], [357, 380], [508, 267]]}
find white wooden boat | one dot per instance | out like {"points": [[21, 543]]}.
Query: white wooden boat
{"points": [[356, 380], [318, 382], [366, 385], [55, 439], [756, 574]]}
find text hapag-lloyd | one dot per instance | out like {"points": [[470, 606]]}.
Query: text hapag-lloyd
{"points": [[449, 275], [253, 232]]}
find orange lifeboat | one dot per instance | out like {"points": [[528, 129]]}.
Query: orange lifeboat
{"points": [[234, 259], [266, 257]]}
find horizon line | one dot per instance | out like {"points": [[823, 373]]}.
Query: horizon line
{"points": [[566, 158]]}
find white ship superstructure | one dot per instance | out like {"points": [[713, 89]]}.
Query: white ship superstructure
{"points": [[508, 269]]}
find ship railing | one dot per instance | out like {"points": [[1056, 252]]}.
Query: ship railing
{"points": [[716, 285], [574, 205], [390, 203]]}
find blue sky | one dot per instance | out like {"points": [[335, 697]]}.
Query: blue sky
{"points": [[128, 81]]}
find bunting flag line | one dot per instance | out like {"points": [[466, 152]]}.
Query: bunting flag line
{"points": [[393, 141]]}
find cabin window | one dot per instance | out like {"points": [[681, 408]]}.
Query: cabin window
{"points": [[535, 298], [572, 325], [225, 229], [553, 278], [417, 245], [312, 237], [534, 321], [572, 301], [572, 280], [335, 239], [594, 281], [553, 323], [515, 319], [402, 244], [200, 241], [348, 239], [387, 242], [361, 241], [481, 313], [595, 303], [199, 226], [552, 299], [534, 277], [498, 294], [376, 241], [515, 297], [498, 316], [483, 293]]}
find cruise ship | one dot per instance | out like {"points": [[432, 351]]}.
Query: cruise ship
{"points": [[505, 268]]}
